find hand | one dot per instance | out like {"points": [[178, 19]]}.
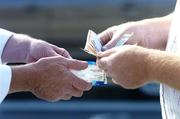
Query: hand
{"points": [[25, 49], [39, 49], [50, 78], [112, 35], [126, 65], [150, 33]]}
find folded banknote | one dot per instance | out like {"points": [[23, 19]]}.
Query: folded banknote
{"points": [[94, 45]]}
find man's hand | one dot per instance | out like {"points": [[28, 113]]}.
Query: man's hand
{"points": [[25, 49], [50, 78], [150, 33], [127, 65], [39, 49], [132, 66]]}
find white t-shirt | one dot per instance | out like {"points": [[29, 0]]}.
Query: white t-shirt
{"points": [[5, 71], [170, 98]]}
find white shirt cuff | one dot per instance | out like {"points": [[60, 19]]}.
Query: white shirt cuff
{"points": [[4, 36], [5, 80]]}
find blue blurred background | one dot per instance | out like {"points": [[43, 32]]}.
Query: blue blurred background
{"points": [[65, 23]]}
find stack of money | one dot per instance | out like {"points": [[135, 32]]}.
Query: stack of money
{"points": [[93, 43]]}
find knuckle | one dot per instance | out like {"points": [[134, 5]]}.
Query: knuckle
{"points": [[50, 97], [112, 28], [78, 94], [56, 97], [68, 98], [79, 85], [64, 52], [102, 64], [62, 49]]}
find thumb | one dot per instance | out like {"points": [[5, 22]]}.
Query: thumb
{"points": [[102, 63], [112, 43], [61, 51], [80, 84], [105, 53], [106, 35], [76, 64], [35, 57]]}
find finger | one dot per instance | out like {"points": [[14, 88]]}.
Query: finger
{"points": [[69, 63], [115, 82], [31, 60], [48, 53], [105, 53], [75, 92], [51, 53], [76, 64], [80, 84], [106, 35], [112, 43], [66, 97], [102, 63], [61, 51]]}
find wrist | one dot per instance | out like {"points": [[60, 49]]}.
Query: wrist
{"points": [[155, 64], [21, 78], [145, 64], [16, 49]]}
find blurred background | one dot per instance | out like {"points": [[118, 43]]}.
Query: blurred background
{"points": [[65, 23]]}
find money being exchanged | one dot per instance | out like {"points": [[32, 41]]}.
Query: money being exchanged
{"points": [[93, 42], [93, 45]]}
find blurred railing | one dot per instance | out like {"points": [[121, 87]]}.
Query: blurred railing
{"points": [[80, 110]]}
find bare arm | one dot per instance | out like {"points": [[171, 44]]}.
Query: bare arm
{"points": [[155, 32], [164, 67], [25, 49], [149, 33], [20, 77], [50, 78], [133, 66], [47, 74]]}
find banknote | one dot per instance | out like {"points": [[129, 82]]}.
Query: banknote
{"points": [[93, 45], [92, 74]]}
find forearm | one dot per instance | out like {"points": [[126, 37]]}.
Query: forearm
{"points": [[164, 67], [16, 49], [156, 31], [20, 77]]}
